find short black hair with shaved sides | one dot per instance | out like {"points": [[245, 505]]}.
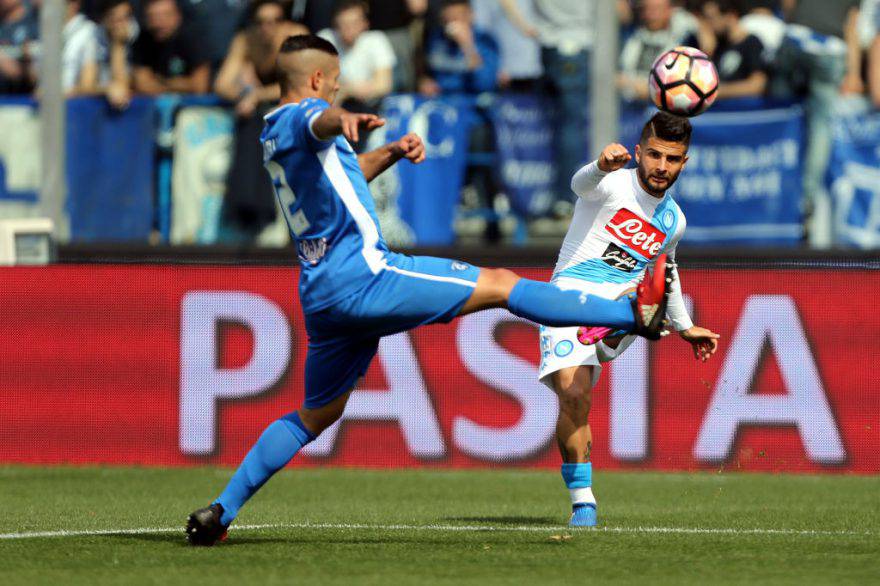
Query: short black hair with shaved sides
{"points": [[303, 42], [667, 127], [295, 44]]}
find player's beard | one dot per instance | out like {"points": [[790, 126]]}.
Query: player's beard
{"points": [[652, 188]]}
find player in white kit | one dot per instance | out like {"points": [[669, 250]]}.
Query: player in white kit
{"points": [[623, 219]]}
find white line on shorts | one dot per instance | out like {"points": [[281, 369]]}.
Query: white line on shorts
{"points": [[459, 528]]}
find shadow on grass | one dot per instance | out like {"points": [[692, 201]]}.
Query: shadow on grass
{"points": [[237, 540], [179, 539], [512, 520]]}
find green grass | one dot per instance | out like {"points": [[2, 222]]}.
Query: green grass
{"points": [[529, 542]]}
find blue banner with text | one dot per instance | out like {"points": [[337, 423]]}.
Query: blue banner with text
{"points": [[742, 183], [854, 175]]}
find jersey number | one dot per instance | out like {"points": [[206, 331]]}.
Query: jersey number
{"points": [[297, 222], [279, 182]]}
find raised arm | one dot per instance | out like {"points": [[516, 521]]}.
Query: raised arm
{"points": [[374, 163], [586, 181], [335, 121]]}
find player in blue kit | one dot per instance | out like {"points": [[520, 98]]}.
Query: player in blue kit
{"points": [[353, 290]]}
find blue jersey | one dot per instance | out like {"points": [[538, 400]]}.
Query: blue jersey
{"points": [[327, 205]]}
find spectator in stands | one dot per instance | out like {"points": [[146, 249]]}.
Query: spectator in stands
{"points": [[565, 31], [873, 72], [459, 57], [738, 55], [315, 15], [869, 11], [462, 59], [79, 55], [520, 68], [820, 57], [167, 56], [115, 36], [247, 78], [366, 58], [762, 20], [396, 18], [19, 36], [214, 23], [662, 28], [704, 37]]}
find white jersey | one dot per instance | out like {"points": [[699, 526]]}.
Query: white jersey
{"points": [[617, 231]]}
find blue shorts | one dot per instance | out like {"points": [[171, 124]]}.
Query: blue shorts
{"points": [[411, 291]]}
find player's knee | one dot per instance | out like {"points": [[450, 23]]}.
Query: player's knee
{"points": [[501, 280], [574, 390], [575, 400], [317, 420]]}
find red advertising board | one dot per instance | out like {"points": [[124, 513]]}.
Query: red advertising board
{"points": [[183, 365]]}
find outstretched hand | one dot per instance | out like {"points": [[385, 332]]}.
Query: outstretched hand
{"points": [[614, 157], [704, 342], [409, 147], [352, 123]]}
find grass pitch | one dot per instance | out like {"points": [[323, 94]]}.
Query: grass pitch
{"points": [[124, 525]]}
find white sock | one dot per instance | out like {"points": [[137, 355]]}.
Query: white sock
{"points": [[582, 495]]}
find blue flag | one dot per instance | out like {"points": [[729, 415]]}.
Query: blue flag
{"points": [[425, 195], [854, 175]]}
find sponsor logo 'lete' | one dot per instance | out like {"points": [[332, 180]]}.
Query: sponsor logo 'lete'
{"points": [[637, 232]]}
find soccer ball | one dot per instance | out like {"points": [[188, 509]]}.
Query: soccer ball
{"points": [[683, 81]]}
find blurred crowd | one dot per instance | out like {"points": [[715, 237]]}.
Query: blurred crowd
{"points": [[813, 50]]}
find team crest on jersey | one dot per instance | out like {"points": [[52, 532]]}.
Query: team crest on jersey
{"points": [[312, 251], [563, 348], [636, 232], [619, 258], [667, 219]]}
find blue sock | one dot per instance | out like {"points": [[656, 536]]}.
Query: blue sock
{"points": [[548, 305], [277, 446], [578, 475], [579, 481]]}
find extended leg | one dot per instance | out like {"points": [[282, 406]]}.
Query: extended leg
{"points": [[548, 305], [544, 303], [276, 446]]}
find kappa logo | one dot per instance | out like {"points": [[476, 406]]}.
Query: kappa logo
{"points": [[312, 251], [619, 258], [637, 232]]}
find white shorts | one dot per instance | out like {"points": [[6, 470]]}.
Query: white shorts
{"points": [[560, 347]]}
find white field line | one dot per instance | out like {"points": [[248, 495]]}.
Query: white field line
{"points": [[460, 528]]}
